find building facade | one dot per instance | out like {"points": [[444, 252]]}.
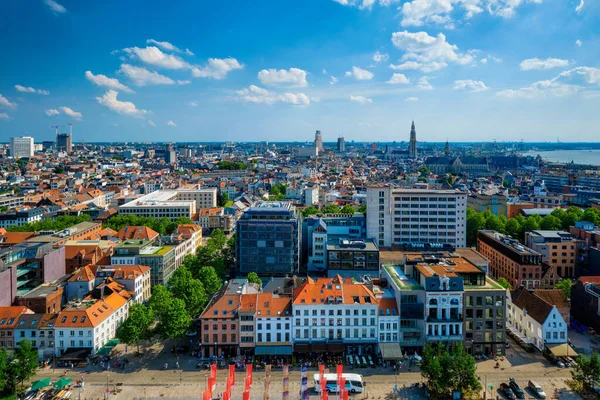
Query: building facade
{"points": [[22, 147], [557, 248]]}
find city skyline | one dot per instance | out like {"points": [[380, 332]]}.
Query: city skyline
{"points": [[501, 70]]}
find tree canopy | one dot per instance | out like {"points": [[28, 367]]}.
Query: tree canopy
{"points": [[232, 165], [565, 285], [504, 283], [164, 226], [586, 371], [253, 278], [60, 223], [137, 326], [175, 321], [184, 287]]}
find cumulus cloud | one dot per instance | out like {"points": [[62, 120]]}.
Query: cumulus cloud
{"points": [[171, 123], [424, 84], [361, 99], [73, 114], [52, 112], [411, 99], [294, 77], [151, 123], [4, 102], [193, 104], [217, 68], [568, 82], [4, 116], [110, 101], [548, 63], [29, 89], [364, 4], [152, 55], [255, 94], [579, 8], [578, 43], [169, 47], [333, 80], [427, 53], [104, 81], [360, 74], [142, 77], [55, 7], [470, 85], [380, 57], [398, 79]]}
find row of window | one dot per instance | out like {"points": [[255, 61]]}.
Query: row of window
{"points": [[336, 312], [355, 333]]}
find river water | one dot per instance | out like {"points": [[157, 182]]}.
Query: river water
{"points": [[586, 157]]}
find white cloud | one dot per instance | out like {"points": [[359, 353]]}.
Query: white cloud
{"points": [[255, 94], [54, 6], [154, 56], [380, 57], [104, 81], [169, 47], [361, 99], [73, 114], [424, 84], [151, 123], [427, 53], [568, 82], [294, 77], [578, 43], [470, 85], [29, 89], [4, 116], [171, 123], [52, 112], [398, 79], [360, 74], [185, 82], [579, 8], [217, 68], [4, 102], [548, 63], [324, 71], [333, 80], [406, 66], [193, 104], [364, 4], [122, 107], [483, 61], [141, 76], [411, 99], [420, 12]]}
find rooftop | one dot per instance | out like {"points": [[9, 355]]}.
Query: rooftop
{"points": [[402, 281]]}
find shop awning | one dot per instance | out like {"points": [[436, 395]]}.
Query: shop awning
{"points": [[391, 351], [562, 350], [335, 347], [318, 347], [273, 350], [301, 348], [75, 354]]}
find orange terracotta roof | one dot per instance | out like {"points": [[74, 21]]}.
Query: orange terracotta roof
{"points": [[327, 290], [224, 308], [388, 303], [83, 274], [269, 305], [136, 233], [10, 315], [16, 237], [84, 316]]}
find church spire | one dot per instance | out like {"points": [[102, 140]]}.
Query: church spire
{"points": [[412, 146]]}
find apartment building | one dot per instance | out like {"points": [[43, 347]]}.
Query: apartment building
{"points": [[220, 326], [403, 216], [273, 325], [557, 248], [203, 198], [509, 259], [22, 147], [352, 257], [160, 204], [335, 315], [9, 317], [20, 218], [268, 240], [135, 279]]}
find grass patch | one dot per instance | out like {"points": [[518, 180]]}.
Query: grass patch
{"points": [[229, 203]]}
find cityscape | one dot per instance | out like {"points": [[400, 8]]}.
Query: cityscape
{"points": [[281, 214]]}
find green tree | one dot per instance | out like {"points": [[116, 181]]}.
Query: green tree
{"points": [[253, 278], [531, 224], [160, 300], [176, 320], [504, 283], [494, 223], [463, 371], [592, 215], [475, 223], [347, 209], [26, 360], [3, 370], [310, 210], [424, 171], [218, 238], [363, 209], [209, 278], [587, 371], [513, 228], [331, 209], [551, 223], [565, 285], [190, 290], [137, 326]]}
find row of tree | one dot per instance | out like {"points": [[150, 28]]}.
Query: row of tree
{"points": [[232, 165], [58, 224], [516, 227], [17, 367], [333, 209], [163, 226]]}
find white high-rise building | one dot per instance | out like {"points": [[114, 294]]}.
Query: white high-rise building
{"points": [[318, 141], [22, 147], [403, 216]]}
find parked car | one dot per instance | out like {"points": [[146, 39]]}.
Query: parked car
{"points": [[507, 391], [180, 349], [537, 389], [516, 388], [560, 364]]}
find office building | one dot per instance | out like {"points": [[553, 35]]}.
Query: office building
{"points": [[557, 248], [159, 204], [408, 216], [318, 141], [22, 147], [509, 259], [19, 218], [64, 142], [268, 239], [170, 155], [412, 144], [352, 258], [341, 145]]}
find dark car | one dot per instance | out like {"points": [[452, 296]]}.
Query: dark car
{"points": [[507, 391], [516, 388], [180, 349]]}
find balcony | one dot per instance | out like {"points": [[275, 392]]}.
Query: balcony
{"points": [[458, 318], [444, 338], [411, 342]]}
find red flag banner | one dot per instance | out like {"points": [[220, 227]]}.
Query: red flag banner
{"points": [[246, 395], [232, 374], [206, 395], [247, 384], [213, 371]]}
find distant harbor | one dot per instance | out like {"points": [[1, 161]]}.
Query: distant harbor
{"points": [[585, 157]]}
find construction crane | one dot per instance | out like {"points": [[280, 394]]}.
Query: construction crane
{"points": [[56, 128], [71, 128]]}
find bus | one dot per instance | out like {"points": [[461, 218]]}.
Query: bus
{"points": [[354, 383]]}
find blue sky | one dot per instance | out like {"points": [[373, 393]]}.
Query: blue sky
{"points": [[274, 70]]}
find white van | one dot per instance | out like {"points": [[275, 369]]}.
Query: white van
{"points": [[354, 383]]}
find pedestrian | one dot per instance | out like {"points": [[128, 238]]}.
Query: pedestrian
{"points": [[176, 364]]}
